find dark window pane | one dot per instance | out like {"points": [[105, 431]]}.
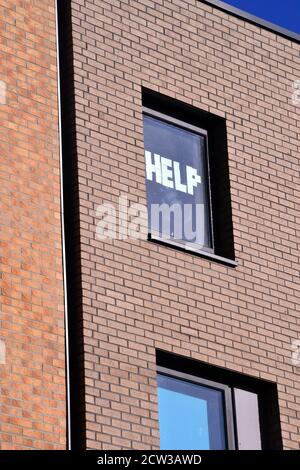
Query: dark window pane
{"points": [[177, 183], [191, 416]]}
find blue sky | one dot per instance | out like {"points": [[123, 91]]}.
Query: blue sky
{"points": [[285, 13]]}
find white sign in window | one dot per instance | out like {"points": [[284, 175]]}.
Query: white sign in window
{"points": [[177, 180]]}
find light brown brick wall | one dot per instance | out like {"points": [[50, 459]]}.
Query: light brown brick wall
{"points": [[137, 296], [32, 379]]}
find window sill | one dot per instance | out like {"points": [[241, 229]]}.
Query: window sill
{"points": [[201, 253]]}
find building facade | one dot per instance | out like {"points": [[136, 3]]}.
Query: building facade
{"points": [[32, 384], [159, 102]]}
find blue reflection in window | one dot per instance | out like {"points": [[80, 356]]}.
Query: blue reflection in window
{"points": [[191, 416]]}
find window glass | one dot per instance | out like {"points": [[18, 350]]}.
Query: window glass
{"points": [[177, 183], [247, 420], [191, 416]]}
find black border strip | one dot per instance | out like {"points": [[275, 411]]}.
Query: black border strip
{"points": [[72, 226], [254, 19]]}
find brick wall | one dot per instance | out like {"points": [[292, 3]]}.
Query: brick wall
{"points": [[32, 378], [137, 296]]}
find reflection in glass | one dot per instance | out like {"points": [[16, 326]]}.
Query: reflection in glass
{"points": [[191, 416]]}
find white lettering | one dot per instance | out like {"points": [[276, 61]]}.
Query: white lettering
{"points": [[167, 213], [106, 227], [110, 460], [192, 179], [178, 185], [168, 173], [3, 89], [2, 352], [296, 93], [153, 168]]}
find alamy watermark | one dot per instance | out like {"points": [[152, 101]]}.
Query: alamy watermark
{"points": [[3, 92], [2, 352], [125, 220], [296, 92], [296, 352]]}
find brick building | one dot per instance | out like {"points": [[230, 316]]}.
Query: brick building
{"points": [[141, 343], [32, 384]]}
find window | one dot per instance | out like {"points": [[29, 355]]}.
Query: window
{"points": [[177, 181], [198, 413], [192, 414], [187, 178]]}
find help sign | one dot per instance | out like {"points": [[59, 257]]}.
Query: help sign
{"points": [[168, 173]]}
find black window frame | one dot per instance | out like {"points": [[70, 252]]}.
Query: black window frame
{"points": [[267, 394], [199, 121], [197, 130]]}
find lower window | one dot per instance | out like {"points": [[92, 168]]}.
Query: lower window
{"points": [[200, 414]]}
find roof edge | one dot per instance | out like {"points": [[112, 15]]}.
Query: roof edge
{"points": [[254, 20]]}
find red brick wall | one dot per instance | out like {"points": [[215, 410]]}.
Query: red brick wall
{"points": [[32, 377], [137, 296]]}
